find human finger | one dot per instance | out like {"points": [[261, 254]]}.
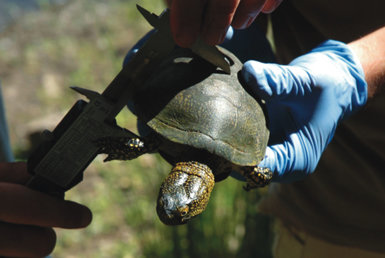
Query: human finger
{"points": [[217, 19], [21, 205], [281, 82], [186, 20], [26, 241], [290, 160], [14, 172], [168, 2], [246, 13], [271, 5]]}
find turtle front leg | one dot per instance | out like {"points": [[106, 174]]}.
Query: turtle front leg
{"points": [[256, 177], [123, 148]]}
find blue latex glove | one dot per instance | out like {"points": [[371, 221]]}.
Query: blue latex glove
{"points": [[131, 53], [136, 47], [306, 100]]}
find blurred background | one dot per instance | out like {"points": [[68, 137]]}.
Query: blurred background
{"points": [[47, 46]]}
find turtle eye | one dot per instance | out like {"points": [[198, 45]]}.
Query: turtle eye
{"points": [[183, 211]]}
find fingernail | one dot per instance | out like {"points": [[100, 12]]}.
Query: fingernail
{"points": [[251, 20], [221, 37], [247, 22], [229, 33]]}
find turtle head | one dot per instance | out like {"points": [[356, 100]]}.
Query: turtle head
{"points": [[184, 193]]}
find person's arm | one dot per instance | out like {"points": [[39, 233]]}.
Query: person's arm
{"points": [[370, 50], [27, 216]]}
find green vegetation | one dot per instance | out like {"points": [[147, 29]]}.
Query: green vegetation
{"points": [[83, 43]]}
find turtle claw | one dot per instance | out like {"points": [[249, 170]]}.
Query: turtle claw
{"points": [[257, 177], [121, 148]]}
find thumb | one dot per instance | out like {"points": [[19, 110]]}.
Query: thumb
{"points": [[290, 160], [270, 81]]}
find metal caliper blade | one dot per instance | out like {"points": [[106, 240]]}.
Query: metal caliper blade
{"points": [[207, 52], [142, 64], [157, 47]]}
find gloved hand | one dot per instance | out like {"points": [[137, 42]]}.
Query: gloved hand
{"points": [[137, 46], [306, 100], [131, 53]]}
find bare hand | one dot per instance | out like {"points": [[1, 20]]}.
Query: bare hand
{"points": [[211, 19], [27, 216]]}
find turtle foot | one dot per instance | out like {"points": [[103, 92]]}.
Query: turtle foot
{"points": [[257, 177], [121, 148]]}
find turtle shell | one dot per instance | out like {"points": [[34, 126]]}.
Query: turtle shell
{"points": [[188, 101]]}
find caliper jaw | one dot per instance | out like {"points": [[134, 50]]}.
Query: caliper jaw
{"points": [[58, 163]]}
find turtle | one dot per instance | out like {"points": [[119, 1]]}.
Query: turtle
{"points": [[204, 122]]}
